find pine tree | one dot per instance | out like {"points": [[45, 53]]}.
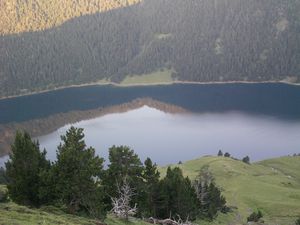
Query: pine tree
{"points": [[23, 170], [177, 196], [3, 176], [123, 163], [227, 155], [77, 173], [246, 159], [209, 195], [149, 204], [220, 153], [217, 201]]}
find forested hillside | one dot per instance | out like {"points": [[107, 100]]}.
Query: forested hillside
{"points": [[32, 15], [208, 40]]}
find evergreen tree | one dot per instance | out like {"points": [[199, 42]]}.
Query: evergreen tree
{"points": [[209, 195], [23, 170], [297, 221], [177, 196], [123, 163], [220, 153], [227, 155], [47, 193], [216, 201], [246, 159], [3, 176], [77, 174], [151, 175]]}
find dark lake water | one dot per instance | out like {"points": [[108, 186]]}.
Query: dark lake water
{"points": [[280, 100], [259, 120]]}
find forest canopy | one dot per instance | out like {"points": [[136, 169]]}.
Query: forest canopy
{"points": [[243, 40]]}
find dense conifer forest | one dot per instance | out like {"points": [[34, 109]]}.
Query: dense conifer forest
{"points": [[230, 40], [33, 15]]}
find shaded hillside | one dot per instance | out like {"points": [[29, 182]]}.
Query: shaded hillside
{"points": [[230, 40], [33, 15], [272, 186]]}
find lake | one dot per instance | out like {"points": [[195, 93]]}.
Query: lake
{"points": [[259, 120], [170, 138]]}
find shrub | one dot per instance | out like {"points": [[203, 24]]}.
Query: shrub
{"points": [[246, 160], [255, 216], [3, 195], [227, 155]]}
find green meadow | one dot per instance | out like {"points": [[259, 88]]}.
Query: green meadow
{"points": [[273, 186], [163, 76]]}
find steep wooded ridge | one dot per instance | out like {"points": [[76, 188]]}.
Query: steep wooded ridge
{"points": [[201, 41]]}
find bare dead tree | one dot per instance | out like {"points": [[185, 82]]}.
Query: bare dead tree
{"points": [[201, 185], [121, 204]]}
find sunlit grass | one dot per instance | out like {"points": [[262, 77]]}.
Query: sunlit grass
{"points": [[272, 186], [163, 76]]}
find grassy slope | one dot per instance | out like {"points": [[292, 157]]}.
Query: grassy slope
{"points": [[12, 214], [271, 185]]}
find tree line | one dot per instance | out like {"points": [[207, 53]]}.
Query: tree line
{"points": [[229, 40], [245, 159], [78, 181]]}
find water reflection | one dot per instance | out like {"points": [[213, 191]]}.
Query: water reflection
{"points": [[169, 138]]}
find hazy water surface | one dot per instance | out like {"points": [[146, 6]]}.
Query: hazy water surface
{"points": [[169, 138], [259, 120]]}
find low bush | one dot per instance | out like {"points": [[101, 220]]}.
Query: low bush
{"points": [[255, 216]]}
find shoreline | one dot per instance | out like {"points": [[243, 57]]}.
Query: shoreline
{"points": [[147, 84]]}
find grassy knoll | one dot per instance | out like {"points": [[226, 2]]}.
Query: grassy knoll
{"points": [[272, 186], [158, 77]]}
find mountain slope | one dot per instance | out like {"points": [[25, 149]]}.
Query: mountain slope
{"points": [[272, 186], [33, 15], [201, 41]]}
